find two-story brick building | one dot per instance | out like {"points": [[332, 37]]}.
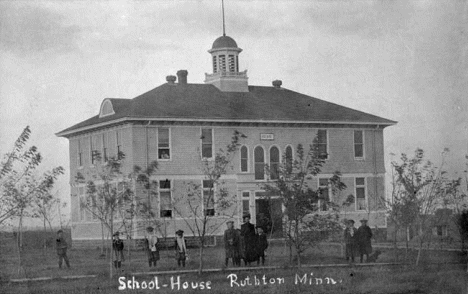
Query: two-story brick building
{"points": [[177, 123]]}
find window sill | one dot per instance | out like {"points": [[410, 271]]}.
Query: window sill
{"points": [[359, 159]]}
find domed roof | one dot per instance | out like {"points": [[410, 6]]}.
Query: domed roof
{"points": [[224, 42]]}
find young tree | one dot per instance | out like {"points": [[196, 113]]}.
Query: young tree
{"points": [[210, 205], [44, 208], [422, 191], [310, 216], [108, 191], [19, 182]]}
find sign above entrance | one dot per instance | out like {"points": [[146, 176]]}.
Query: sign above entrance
{"points": [[267, 137]]}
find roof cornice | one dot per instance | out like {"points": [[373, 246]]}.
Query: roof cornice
{"points": [[218, 120]]}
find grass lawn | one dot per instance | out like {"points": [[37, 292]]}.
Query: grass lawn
{"points": [[440, 272]]}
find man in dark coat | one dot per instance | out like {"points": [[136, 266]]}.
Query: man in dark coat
{"points": [[350, 238], [231, 243], [364, 235], [118, 246], [250, 240], [262, 245], [62, 246]]}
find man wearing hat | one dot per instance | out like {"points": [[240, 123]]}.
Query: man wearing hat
{"points": [[152, 247], [231, 243], [181, 248], [350, 238], [364, 235], [118, 245], [62, 246], [249, 240]]}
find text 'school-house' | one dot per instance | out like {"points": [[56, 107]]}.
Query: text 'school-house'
{"points": [[179, 122]]}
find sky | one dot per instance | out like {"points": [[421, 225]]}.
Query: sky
{"points": [[402, 60]]}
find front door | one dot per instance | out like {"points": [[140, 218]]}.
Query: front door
{"points": [[269, 215]]}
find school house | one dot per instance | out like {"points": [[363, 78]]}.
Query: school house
{"points": [[178, 123]]}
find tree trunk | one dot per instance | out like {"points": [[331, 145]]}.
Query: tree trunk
{"points": [[45, 237], [111, 248], [407, 242], [395, 245], [200, 257], [102, 238]]}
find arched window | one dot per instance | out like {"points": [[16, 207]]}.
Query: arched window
{"points": [[106, 108], [289, 158], [244, 159], [259, 158], [274, 162]]}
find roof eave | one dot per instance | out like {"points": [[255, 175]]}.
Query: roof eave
{"points": [[123, 119]]}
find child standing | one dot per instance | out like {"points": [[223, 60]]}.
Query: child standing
{"points": [[262, 245], [152, 249], [62, 246], [118, 247], [181, 248]]}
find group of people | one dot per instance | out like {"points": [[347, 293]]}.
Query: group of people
{"points": [[358, 241], [152, 247], [248, 244]]}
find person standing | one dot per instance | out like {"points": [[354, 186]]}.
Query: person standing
{"points": [[62, 246], [364, 235], [350, 238], [118, 246], [249, 240], [181, 248], [152, 247], [262, 245], [231, 244]]}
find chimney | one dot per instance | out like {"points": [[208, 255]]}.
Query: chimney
{"points": [[182, 76], [171, 79], [277, 84]]}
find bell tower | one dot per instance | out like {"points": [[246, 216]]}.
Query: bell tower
{"points": [[225, 59]]}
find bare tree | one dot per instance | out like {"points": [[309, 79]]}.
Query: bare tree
{"points": [[210, 204], [108, 191], [422, 192], [309, 216]]}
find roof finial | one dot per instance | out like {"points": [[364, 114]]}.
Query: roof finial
{"points": [[224, 28]]}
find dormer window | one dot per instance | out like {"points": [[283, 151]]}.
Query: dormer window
{"points": [[106, 108]]}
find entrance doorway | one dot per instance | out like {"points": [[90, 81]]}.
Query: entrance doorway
{"points": [[269, 215]]}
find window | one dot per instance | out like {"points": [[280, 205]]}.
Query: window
{"points": [[207, 143], [358, 144], [232, 65], [324, 198], [94, 152], [441, 231], [274, 162], [82, 199], [244, 154], [215, 65], [165, 198], [322, 144], [259, 158], [80, 154], [237, 63], [118, 140], [104, 146], [361, 194], [208, 197], [106, 109], [164, 148], [289, 158], [222, 63], [245, 203]]}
